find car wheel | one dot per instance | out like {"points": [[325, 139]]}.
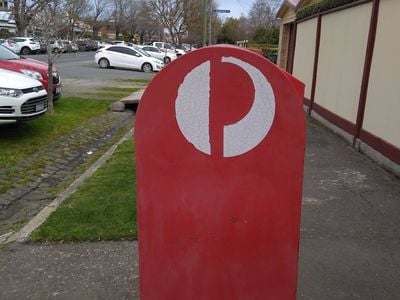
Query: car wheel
{"points": [[146, 67], [26, 51], [167, 60], [104, 63]]}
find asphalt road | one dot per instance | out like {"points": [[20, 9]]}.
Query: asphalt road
{"points": [[81, 65]]}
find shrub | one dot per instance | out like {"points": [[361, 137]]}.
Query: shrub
{"points": [[269, 51], [320, 6]]}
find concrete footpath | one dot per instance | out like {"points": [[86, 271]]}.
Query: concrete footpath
{"points": [[349, 249]]}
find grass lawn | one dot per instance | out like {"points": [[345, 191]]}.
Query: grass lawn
{"points": [[19, 141], [104, 207], [112, 92]]}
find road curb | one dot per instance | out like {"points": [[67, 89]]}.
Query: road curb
{"points": [[23, 234]]}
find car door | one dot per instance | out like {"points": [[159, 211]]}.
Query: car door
{"points": [[131, 59], [116, 56]]}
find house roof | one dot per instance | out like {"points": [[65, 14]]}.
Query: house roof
{"points": [[293, 4]]}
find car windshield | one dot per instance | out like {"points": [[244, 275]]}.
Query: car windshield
{"points": [[141, 51], [7, 54]]}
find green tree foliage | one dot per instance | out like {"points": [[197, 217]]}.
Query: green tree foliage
{"points": [[230, 32], [264, 35]]}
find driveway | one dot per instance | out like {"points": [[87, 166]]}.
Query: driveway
{"points": [[80, 73]]}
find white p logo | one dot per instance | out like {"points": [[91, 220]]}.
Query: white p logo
{"points": [[192, 111]]}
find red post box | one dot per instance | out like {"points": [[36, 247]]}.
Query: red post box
{"points": [[220, 136]]}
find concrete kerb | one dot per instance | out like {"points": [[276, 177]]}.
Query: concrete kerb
{"points": [[134, 98], [34, 223]]}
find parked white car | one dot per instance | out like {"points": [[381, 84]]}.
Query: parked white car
{"points": [[165, 56], [168, 47], [121, 56], [21, 97], [8, 43], [27, 45]]}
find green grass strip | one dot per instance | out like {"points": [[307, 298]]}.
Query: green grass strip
{"points": [[103, 208], [128, 90], [19, 141]]}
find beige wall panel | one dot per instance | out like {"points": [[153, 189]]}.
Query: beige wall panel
{"points": [[344, 37], [304, 53], [382, 114], [289, 16]]}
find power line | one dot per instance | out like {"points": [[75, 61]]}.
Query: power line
{"points": [[240, 3]]}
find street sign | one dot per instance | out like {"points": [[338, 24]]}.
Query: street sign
{"points": [[219, 138], [222, 11]]}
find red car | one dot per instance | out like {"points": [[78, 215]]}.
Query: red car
{"points": [[30, 67]]}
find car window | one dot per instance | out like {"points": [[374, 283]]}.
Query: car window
{"points": [[158, 45], [132, 52], [168, 46], [124, 50], [116, 49], [19, 40], [142, 51], [153, 49], [7, 54]]}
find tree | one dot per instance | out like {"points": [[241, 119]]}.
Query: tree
{"points": [[98, 15], [120, 15], [50, 22], [195, 33], [264, 35], [262, 13], [131, 24], [147, 27], [25, 10], [177, 16], [74, 9], [230, 32]]}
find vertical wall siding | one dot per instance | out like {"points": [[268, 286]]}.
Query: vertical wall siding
{"points": [[344, 36], [304, 54], [382, 112]]}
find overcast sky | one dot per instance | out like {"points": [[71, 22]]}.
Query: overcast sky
{"points": [[237, 7]]}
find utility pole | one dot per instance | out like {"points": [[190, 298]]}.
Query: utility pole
{"points": [[209, 26], [205, 23]]}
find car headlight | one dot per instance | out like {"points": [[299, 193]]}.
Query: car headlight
{"points": [[14, 93], [33, 74]]}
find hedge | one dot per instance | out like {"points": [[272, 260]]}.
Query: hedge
{"points": [[269, 51], [320, 6]]}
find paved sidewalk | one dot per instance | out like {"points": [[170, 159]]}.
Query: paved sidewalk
{"points": [[350, 242]]}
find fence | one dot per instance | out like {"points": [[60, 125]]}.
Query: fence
{"points": [[349, 60]]}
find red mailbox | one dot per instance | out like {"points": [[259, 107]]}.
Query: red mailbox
{"points": [[220, 137]]}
